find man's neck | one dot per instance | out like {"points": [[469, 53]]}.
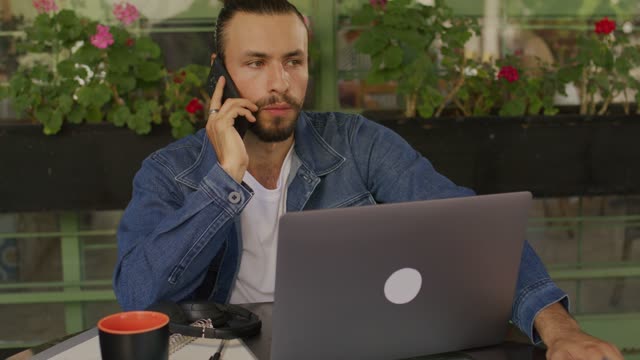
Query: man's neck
{"points": [[266, 159]]}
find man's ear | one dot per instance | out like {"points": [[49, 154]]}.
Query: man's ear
{"points": [[213, 57]]}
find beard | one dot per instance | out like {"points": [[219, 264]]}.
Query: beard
{"points": [[278, 128]]}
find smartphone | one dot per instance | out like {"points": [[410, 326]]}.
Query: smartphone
{"points": [[218, 69]]}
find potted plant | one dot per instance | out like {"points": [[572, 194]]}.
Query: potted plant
{"points": [[87, 72], [494, 125], [400, 40], [95, 86]]}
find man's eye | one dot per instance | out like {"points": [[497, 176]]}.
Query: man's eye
{"points": [[255, 64], [294, 62]]}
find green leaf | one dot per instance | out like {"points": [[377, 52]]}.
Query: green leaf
{"points": [[631, 54], [391, 5], [456, 37], [411, 39], [102, 94], [602, 80], [145, 48], [42, 114], [140, 124], [66, 17], [603, 57], [119, 116], [376, 77], [67, 69], [428, 101], [463, 93], [623, 65], [77, 115], [54, 124], [395, 19], [22, 104], [550, 111], [370, 42], [123, 82], [535, 105], [88, 54], [426, 109], [41, 72], [42, 29], [185, 128], [71, 29], [119, 60], [65, 102], [199, 72], [392, 57], [94, 114], [120, 36], [515, 107], [18, 85], [150, 71], [177, 117], [94, 95], [364, 16]]}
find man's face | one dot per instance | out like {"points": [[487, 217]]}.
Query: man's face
{"points": [[266, 55]]}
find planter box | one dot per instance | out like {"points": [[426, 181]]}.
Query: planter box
{"points": [[91, 167], [559, 155], [84, 167]]}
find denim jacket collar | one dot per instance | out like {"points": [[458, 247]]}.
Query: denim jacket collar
{"points": [[314, 152]]}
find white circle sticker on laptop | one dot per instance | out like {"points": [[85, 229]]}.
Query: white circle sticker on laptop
{"points": [[403, 286]]}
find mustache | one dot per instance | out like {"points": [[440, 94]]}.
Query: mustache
{"points": [[274, 99]]}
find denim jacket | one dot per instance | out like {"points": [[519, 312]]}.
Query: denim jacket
{"points": [[183, 218]]}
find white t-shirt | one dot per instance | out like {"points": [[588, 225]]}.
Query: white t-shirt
{"points": [[259, 226]]}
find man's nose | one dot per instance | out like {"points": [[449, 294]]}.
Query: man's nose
{"points": [[278, 79]]}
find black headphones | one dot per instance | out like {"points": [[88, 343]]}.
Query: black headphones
{"points": [[229, 321]]}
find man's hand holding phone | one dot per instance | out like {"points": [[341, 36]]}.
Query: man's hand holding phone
{"points": [[226, 141]]}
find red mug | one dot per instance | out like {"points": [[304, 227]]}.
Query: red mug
{"points": [[139, 335]]}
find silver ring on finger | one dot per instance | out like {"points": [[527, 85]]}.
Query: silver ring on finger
{"points": [[213, 111]]}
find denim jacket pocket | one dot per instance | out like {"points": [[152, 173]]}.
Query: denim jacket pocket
{"points": [[362, 199], [197, 248]]}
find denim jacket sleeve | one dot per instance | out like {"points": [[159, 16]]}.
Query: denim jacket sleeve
{"points": [[396, 172], [167, 237]]}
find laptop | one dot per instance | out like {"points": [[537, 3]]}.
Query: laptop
{"points": [[396, 281]]}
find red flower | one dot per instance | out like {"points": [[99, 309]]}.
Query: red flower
{"points": [[378, 4], [194, 106], [179, 79], [130, 42], [605, 26], [509, 73]]}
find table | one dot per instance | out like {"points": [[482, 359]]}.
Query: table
{"points": [[513, 348]]}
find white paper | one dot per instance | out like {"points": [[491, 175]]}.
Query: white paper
{"points": [[198, 349]]}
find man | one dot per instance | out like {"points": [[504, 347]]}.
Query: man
{"points": [[202, 222]]}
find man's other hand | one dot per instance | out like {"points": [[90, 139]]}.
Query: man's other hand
{"points": [[577, 345], [565, 341]]}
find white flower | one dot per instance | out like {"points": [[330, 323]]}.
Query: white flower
{"points": [[469, 71], [627, 27], [77, 46], [425, 2]]}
